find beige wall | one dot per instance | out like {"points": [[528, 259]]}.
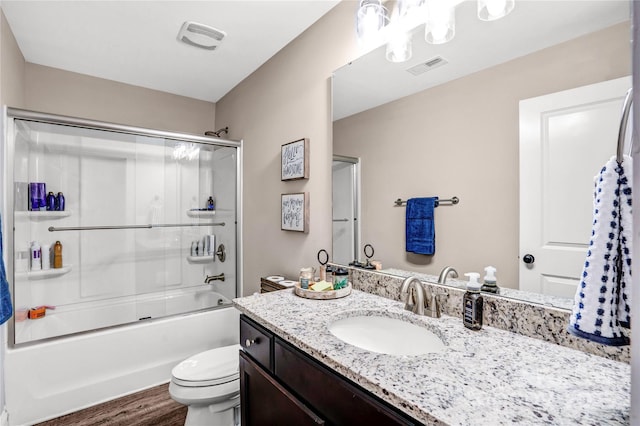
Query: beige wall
{"points": [[45, 89], [461, 139], [286, 99], [12, 66], [62, 92]]}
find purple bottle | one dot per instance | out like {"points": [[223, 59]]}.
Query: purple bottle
{"points": [[60, 202], [51, 201]]}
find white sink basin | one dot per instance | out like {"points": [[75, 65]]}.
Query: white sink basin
{"points": [[386, 335]]}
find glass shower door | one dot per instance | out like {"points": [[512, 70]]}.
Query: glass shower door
{"points": [[146, 221]]}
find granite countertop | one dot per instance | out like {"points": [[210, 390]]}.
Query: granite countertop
{"points": [[484, 377]]}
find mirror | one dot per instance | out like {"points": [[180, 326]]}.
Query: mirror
{"points": [[453, 129]]}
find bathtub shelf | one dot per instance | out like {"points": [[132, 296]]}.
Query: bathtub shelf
{"points": [[43, 214], [48, 273], [200, 259], [201, 213]]}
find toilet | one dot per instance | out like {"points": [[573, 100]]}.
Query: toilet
{"points": [[209, 384]]}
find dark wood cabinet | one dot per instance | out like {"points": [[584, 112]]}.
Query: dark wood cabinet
{"points": [[257, 341], [305, 386], [266, 402]]}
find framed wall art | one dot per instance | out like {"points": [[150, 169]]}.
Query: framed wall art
{"points": [[295, 212], [295, 160]]}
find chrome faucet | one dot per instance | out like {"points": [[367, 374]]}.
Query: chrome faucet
{"points": [[419, 299], [414, 299], [214, 278], [445, 273]]}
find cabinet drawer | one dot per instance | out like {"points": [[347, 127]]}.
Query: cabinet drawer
{"points": [[257, 342], [339, 401]]}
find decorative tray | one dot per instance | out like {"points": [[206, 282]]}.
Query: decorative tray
{"points": [[322, 295]]}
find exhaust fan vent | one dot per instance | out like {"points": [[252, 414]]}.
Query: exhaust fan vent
{"points": [[200, 35], [423, 67]]}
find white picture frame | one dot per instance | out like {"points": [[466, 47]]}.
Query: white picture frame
{"points": [[295, 212], [294, 160]]}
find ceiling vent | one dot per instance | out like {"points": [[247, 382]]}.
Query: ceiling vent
{"points": [[423, 67], [200, 35]]}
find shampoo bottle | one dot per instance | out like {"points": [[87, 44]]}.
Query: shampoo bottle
{"points": [[57, 255], [472, 303], [46, 256], [36, 256], [490, 285]]}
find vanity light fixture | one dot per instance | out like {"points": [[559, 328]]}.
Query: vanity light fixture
{"points": [[490, 10], [438, 16], [371, 18], [200, 35]]}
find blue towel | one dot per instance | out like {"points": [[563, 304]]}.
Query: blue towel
{"points": [[6, 309], [602, 304], [420, 229]]}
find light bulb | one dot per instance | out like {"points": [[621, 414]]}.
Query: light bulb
{"points": [[441, 25], [496, 7], [490, 10], [439, 31], [399, 48], [370, 19]]}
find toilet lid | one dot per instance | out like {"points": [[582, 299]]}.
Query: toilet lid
{"points": [[209, 368]]}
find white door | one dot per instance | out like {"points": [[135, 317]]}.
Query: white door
{"points": [[565, 139], [345, 210]]}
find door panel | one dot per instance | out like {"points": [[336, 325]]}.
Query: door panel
{"points": [[565, 138]]}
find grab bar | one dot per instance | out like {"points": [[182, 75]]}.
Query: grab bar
{"points": [[626, 108], [161, 225]]}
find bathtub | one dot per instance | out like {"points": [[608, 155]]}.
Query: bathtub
{"points": [[56, 377], [118, 311]]}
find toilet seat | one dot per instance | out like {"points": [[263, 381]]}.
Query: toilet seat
{"points": [[210, 368]]}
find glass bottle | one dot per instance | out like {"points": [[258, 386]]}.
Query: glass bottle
{"points": [[306, 277]]}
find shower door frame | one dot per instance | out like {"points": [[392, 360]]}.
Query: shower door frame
{"points": [[7, 177], [356, 206]]}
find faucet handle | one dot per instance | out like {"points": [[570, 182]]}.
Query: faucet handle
{"points": [[434, 306]]}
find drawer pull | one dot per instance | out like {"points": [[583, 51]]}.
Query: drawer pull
{"points": [[250, 342]]}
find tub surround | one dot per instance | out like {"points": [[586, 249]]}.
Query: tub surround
{"points": [[539, 321], [487, 377]]}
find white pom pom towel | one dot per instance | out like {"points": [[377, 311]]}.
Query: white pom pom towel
{"points": [[602, 304]]}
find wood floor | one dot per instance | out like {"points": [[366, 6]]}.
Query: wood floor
{"points": [[151, 407]]}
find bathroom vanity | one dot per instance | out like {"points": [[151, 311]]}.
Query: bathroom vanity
{"points": [[299, 386], [486, 377]]}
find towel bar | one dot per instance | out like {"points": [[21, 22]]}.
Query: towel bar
{"points": [[156, 225], [628, 100], [452, 201]]}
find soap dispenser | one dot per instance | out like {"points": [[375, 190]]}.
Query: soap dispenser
{"points": [[490, 285], [472, 303]]}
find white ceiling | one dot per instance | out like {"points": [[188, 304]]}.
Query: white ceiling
{"points": [[135, 42], [371, 80]]}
